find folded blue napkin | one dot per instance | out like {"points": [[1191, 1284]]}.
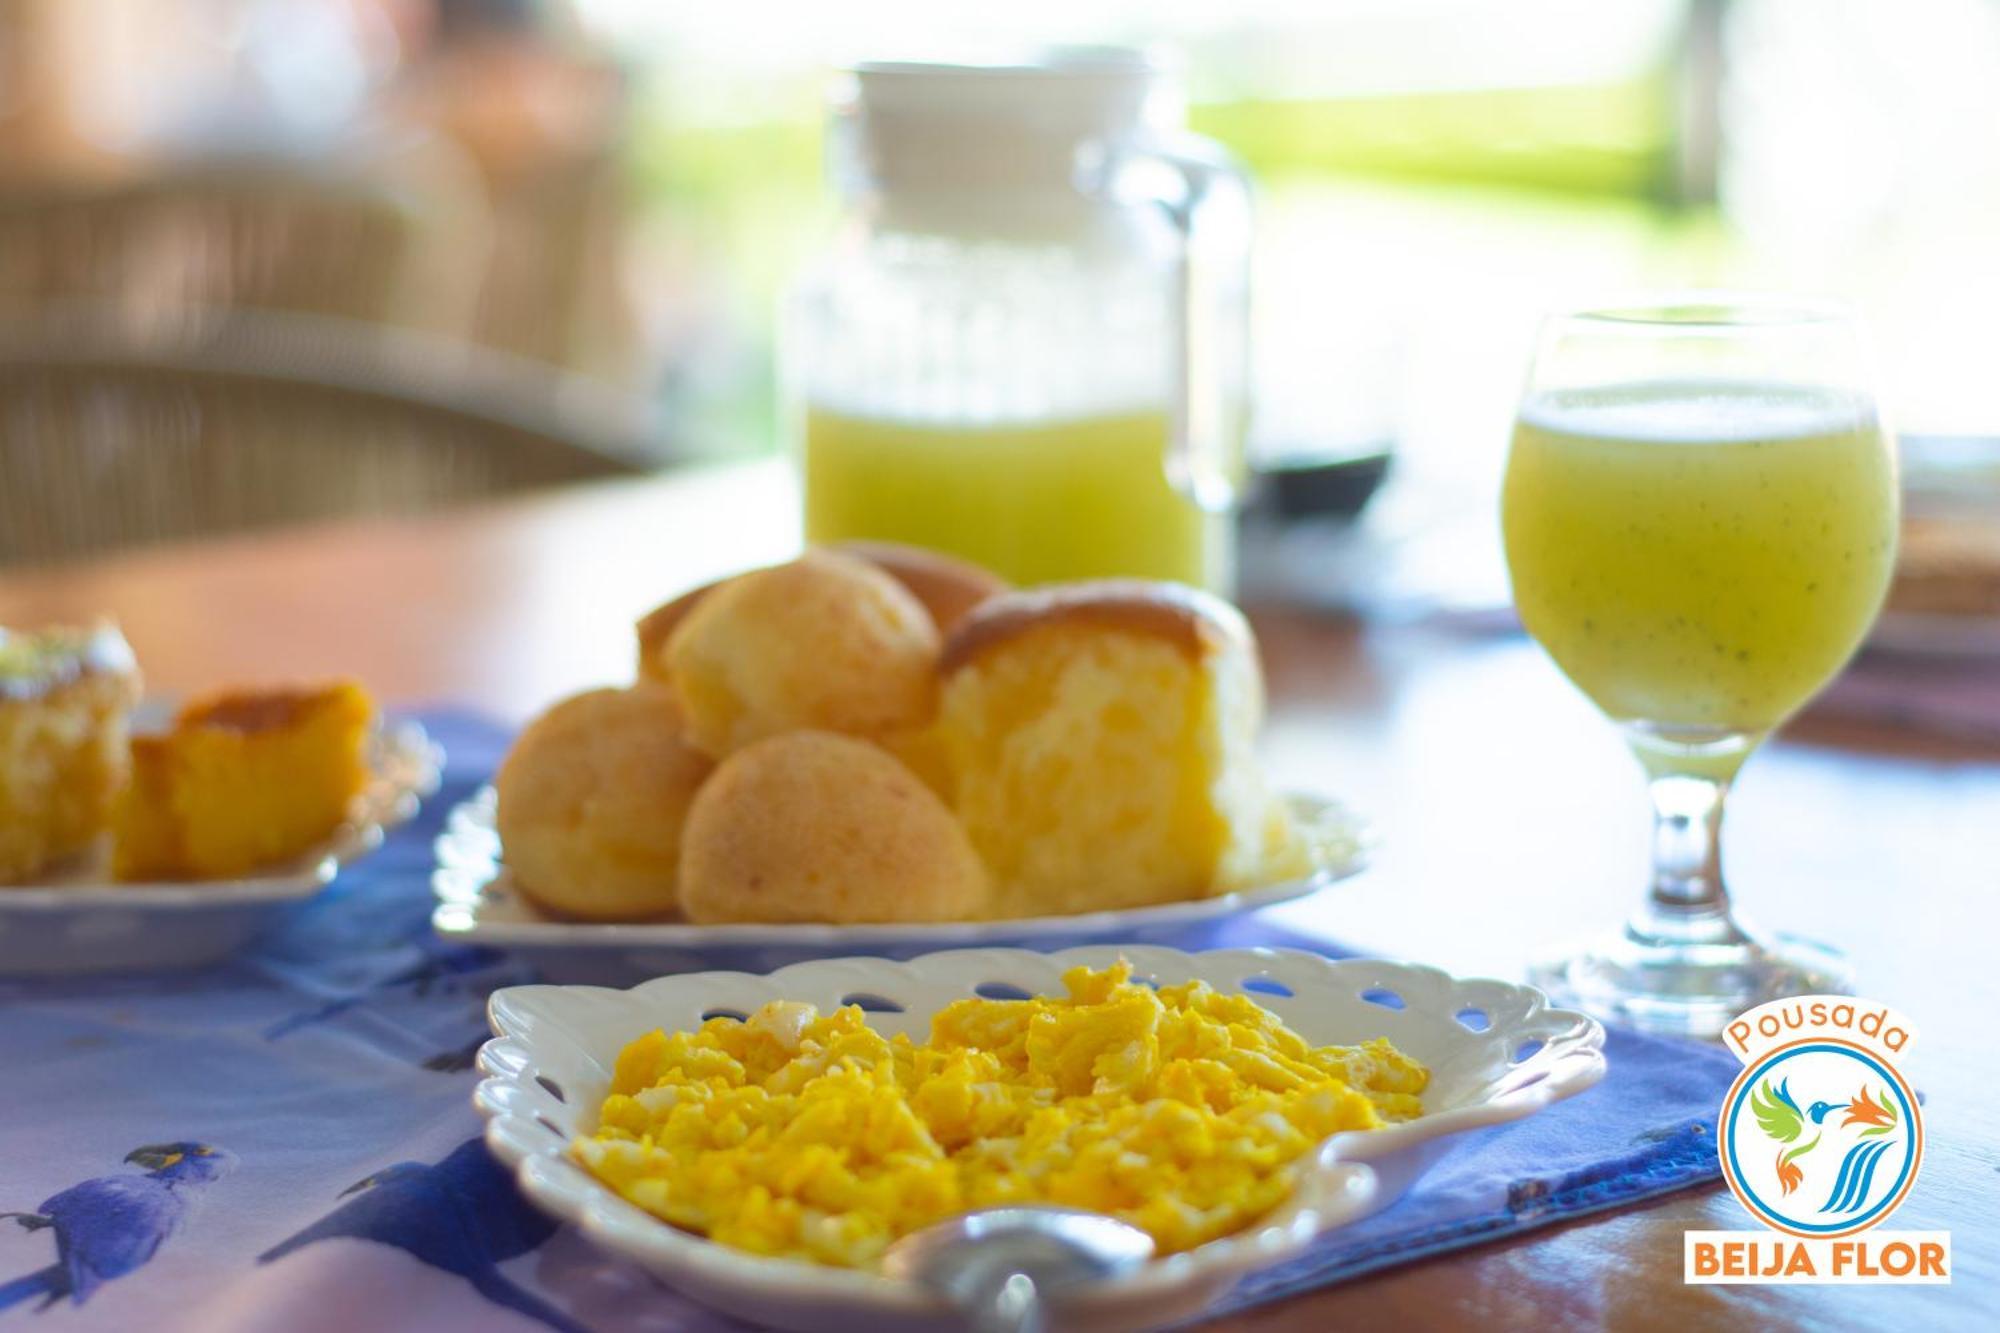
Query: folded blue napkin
{"points": [[327, 1071]]}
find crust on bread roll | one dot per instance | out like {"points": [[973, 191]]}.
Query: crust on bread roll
{"points": [[948, 587], [811, 826], [827, 641], [658, 625], [1199, 624]]}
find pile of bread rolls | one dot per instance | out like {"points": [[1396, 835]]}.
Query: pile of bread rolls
{"points": [[876, 733]]}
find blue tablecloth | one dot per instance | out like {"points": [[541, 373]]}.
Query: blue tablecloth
{"points": [[285, 1142]]}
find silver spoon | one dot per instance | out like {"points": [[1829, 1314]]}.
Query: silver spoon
{"points": [[997, 1265]]}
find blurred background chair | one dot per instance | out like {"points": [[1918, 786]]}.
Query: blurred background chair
{"points": [[262, 236], [112, 438], [284, 260]]}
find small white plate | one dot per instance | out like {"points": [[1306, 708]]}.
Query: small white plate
{"points": [[1496, 1051], [1946, 638], [85, 921], [479, 904]]}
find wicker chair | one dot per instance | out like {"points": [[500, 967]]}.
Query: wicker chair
{"points": [[393, 233], [232, 422]]}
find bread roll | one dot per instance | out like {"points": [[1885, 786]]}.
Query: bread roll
{"points": [[827, 641], [658, 625], [592, 799], [947, 586], [1100, 740], [813, 826]]}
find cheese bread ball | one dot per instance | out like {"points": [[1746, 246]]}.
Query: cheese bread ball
{"points": [[592, 799], [947, 586], [812, 826], [827, 641], [1100, 739]]}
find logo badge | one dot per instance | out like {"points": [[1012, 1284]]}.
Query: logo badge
{"points": [[1820, 1138]]}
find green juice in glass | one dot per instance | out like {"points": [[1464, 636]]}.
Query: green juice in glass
{"points": [[1699, 557]]}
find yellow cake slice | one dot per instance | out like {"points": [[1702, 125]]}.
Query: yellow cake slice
{"points": [[244, 779], [65, 698], [1100, 744]]}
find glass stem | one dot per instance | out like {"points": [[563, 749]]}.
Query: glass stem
{"points": [[1687, 847]]}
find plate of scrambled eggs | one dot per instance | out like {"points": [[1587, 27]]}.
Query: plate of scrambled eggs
{"points": [[759, 1141]]}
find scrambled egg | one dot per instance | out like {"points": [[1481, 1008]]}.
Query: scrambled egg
{"points": [[811, 1136]]}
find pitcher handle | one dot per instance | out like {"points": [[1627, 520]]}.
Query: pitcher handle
{"points": [[1207, 197]]}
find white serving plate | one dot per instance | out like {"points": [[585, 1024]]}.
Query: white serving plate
{"points": [[85, 921], [479, 904], [1497, 1052]]}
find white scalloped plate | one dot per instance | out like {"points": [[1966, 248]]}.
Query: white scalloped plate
{"points": [[1497, 1052], [85, 921], [479, 904]]}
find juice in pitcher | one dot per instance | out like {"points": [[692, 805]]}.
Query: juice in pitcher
{"points": [[1036, 501]]}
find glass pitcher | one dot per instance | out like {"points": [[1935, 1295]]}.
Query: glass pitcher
{"points": [[1026, 342]]}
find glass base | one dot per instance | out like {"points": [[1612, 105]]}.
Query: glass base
{"points": [[1690, 978]]}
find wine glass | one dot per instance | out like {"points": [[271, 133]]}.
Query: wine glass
{"points": [[1700, 512]]}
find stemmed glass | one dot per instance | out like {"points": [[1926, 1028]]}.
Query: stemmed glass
{"points": [[1700, 511]]}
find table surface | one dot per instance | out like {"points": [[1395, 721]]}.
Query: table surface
{"points": [[1510, 814]]}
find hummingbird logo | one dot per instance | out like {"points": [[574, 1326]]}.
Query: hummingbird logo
{"points": [[1778, 1116]]}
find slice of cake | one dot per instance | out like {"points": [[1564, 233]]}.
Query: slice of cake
{"points": [[65, 698], [1100, 745], [244, 779]]}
